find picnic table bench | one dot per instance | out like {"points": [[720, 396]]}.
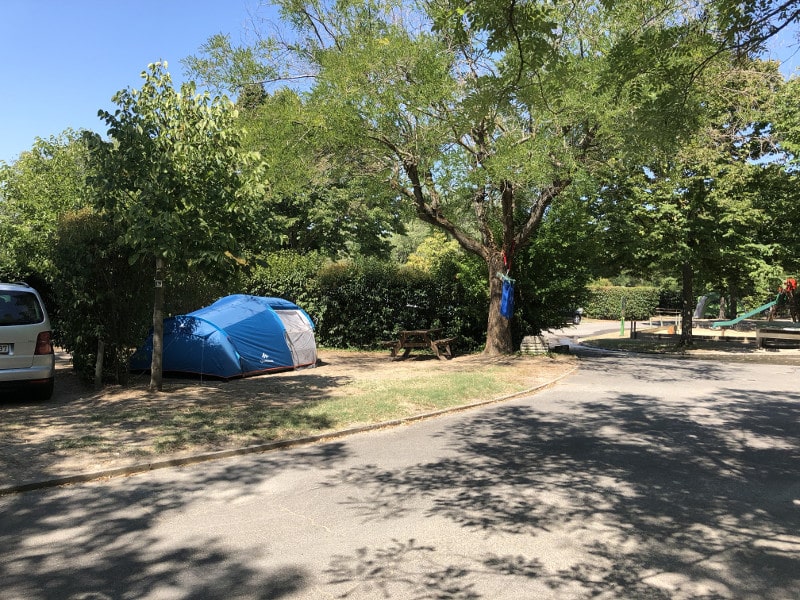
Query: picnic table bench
{"points": [[670, 315], [772, 333], [421, 338]]}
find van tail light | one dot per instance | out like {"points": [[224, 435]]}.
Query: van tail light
{"points": [[44, 343]]}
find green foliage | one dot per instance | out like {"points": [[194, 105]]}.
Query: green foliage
{"points": [[432, 252], [707, 213], [314, 203], [195, 288], [607, 302], [360, 303], [462, 298], [368, 301], [99, 295], [251, 97], [479, 115], [173, 177], [244, 64], [553, 273], [41, 185], [176, 185], [288, 275]]}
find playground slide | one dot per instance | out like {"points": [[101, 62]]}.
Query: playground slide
{"points": [[746, 315]]}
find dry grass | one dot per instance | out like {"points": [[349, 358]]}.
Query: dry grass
{"points": [[81, 430]]}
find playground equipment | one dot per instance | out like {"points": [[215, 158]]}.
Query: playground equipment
{"points": [[747, 315], [786, 297]]}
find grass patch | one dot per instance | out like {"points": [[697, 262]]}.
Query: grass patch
{"points": [[347, 390], [357, 403], [79, 443], [384, 400], [214, 427]]}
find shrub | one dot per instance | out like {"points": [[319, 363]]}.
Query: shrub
{"points": [[99, 295], [359, 303], [606, 302]]}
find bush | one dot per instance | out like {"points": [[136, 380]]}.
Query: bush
{"points": [[99, 295], [605, 302], [359, 303], [288, 275]]}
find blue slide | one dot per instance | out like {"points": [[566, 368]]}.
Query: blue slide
{"points": [[746, 315]]}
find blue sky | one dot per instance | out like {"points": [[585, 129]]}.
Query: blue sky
{"points": [[62, 60]]}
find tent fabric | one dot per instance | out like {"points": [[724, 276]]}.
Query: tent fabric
{"points": [[236, 336]]}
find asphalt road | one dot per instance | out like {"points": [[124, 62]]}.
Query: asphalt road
{"points": [[636, 477]]}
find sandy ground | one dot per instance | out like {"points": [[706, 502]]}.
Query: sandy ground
{"points": [[81, 430]]}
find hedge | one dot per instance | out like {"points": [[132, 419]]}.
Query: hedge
{"points": [[358, 304], [605, 302]]}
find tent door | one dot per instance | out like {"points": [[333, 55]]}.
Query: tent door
{"points": [[299, 337]]}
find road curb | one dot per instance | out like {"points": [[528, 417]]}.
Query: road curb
{"points": [[263, 448]]}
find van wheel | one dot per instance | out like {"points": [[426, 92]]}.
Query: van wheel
{"points": [[45, 392]]}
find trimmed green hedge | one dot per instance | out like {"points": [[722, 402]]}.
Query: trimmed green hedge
{"points": [[358, 304], [605, 302]]}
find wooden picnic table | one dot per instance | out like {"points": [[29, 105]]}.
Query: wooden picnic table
{"points": [[421, 338]]}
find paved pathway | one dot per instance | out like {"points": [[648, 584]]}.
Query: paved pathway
{"points": [[636, 477]]}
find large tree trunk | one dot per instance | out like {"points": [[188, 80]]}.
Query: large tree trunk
{"points": [[498, 330], [733, 306], [687, 303], [98, 364], [723, 311], [156, 374]]}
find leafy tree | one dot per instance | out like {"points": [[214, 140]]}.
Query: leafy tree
{"points": [[41, 185], [314, 204], [482, 114], [251, 97], [561, 261], [700, 213], [99, 291], [173, 179], [782, 177], [102, 315], [432, 251]]}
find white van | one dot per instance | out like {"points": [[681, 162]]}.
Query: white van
{"points": [[27, 361]]}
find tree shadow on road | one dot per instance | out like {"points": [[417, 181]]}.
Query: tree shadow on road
{"points": [[78, 542], [700, 500]]}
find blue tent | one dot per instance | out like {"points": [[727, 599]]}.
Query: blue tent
{"points": [[234, 337]]}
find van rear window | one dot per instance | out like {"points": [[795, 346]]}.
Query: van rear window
{"points": [[20, 308]]}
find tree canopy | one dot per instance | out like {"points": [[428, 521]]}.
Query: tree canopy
{"points": [[173, 179], [481, 114], [701, 211], [42, 184]]}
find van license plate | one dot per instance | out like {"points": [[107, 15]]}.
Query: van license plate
{"points": [[5, 348]]}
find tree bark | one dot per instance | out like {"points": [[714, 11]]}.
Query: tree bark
{"points": [[687, 303], [498, 329], [98, 364], [156, 364], [498, 333], [722, 314], [733, 305]]}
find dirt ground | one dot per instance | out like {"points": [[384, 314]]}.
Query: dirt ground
{"points": [[75, 433]]}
